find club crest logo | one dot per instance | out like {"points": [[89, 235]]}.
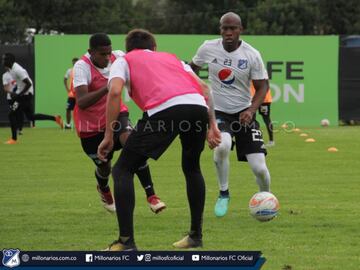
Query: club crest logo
{"points": [[226, 76], [242, 64], [11, 257]]}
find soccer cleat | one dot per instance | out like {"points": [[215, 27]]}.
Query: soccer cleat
{"points": [[67, 126], [59, 121], [221, 206], [10, 141], [270, 144], [156, 205], [107, 199], [118, 246], [188, 242]]}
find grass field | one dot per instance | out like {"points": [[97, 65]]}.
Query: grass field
{"points": [[48, 200]]}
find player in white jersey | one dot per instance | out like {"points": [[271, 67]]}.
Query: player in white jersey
{"points": [[25, 92], [233, 64], [15, 114]]}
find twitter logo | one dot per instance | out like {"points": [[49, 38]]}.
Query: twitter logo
{"points": [[140, 258]]}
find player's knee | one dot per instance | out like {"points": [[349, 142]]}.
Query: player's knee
{"points": [[260, 171], [104, 169], [223, 150]]}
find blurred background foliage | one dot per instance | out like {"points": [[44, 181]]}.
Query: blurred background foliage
{"points": [[20, 19]]}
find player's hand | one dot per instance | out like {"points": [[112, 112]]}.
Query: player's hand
{"points": [[104, 149], [246, 116], [213, 137]]}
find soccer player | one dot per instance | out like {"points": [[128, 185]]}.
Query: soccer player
{"points": [[264, 111], [172, 98], [24, 93], [90, 82], [69, 86], [233, 64], [15, 114]]}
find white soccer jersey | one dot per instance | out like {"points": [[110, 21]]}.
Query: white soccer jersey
{"points": [[67, 73], [230, 73], [7, 79], [82, 71], [20, 74]]}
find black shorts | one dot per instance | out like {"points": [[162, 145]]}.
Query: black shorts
{"points": [[153, 135], [248, 138], [264, 109], [13, 105], [90, 144], [70, 103]]}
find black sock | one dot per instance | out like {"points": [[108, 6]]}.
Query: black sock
{"points": [[13, 124], [102, 182], [126, 240], [195, 235], [40, 116], [224, 193], [145, 179]]}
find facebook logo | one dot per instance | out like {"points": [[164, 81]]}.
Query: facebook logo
{"points": [[195, 258], [88, 257]]}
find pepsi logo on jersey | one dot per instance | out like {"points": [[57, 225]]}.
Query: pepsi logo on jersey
{"points": [[226, 76]]}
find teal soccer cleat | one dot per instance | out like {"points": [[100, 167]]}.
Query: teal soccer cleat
{"points": [[221, 206]]}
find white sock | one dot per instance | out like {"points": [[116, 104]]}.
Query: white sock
{"points": [[221, 159], [258, 165]]}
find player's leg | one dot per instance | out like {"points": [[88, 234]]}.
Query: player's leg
{"points": [[123, 129], [222, 165], [250, 147], [13, 123], [102, 170], [55, 118], [264, 110], [258, 166], [68, 119], [192, 142], [19, 119], [69, 108], [145, 141], [123, 175], [26, 106]]}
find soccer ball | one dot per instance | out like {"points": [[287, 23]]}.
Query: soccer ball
{"points": [[264, 206], [325, 122]]}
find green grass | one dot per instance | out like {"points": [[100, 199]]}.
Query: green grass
{"points": [[48, 200]]}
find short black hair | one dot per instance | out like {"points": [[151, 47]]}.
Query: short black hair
{"points": [[75, 59], [9, 56], [9, 59], [140, 39], [99, 40]]}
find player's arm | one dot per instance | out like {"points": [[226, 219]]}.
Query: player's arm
{"points": [[214, 135], [261, 87], [112, 112], [8, 88], [194, 67], [85, 99], [66, 84], [28, 84]]}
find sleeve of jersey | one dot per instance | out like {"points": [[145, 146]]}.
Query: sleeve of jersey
{"points": [[80, 74], [200, 58], [258, 70], [186, 67], [119, 69], [21, 74], [67, 74]]}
